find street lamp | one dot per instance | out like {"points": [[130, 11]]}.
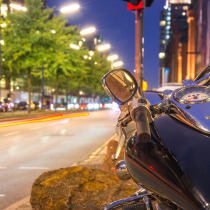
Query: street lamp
{"points": [[18, 7], [87, 31], [74, 46], [103, 47], [112, 58], [117, 64], [70, 8]]}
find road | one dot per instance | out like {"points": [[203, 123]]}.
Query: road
{"points": [[26, 151]]}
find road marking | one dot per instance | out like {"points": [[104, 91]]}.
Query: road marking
{"points": [[2, 195], [2, 168], [35, 128], [10, 134], [33, 168]]}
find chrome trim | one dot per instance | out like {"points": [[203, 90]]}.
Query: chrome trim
{"points": [[148, 203], [121, 140], [204, 80], [134, 200], [121, 171]]}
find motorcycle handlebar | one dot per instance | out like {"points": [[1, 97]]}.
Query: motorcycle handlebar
{"points": [[142, 125]]}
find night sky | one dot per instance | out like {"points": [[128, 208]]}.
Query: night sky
{"points": [[117, 26]]}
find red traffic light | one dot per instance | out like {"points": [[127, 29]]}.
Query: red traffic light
{"points": [[133, 7]]}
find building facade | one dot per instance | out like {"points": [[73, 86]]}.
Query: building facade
{"points": [[173, 48], [187, 52]]}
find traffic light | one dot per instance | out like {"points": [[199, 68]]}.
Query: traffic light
{"points": [[133, 2], [138, 4]]}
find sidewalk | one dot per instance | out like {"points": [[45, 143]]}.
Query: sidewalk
{"points": [[94, 160]]}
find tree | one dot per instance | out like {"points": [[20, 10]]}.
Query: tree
{"points": [[90, 81], [37, 38]]}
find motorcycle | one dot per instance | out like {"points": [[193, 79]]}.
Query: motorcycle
{"points": [[167, 138]]}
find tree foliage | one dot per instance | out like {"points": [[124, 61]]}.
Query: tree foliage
{"points": [[37, 38]]}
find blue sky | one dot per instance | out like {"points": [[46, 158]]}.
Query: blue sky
{"points": [[117, 26]]}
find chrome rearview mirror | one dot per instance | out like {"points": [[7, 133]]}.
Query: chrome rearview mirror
{"points": [[120, 84]]}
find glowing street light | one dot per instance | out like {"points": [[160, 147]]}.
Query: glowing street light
{"points": [[87, 31], [112, 57], [74, 46], [2, 42], [18, 7], [117, 64], [91, 53], [104, 47], [81, 92], [70, 8]]}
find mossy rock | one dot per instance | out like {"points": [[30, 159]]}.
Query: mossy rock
{"points": [[78, 188]]}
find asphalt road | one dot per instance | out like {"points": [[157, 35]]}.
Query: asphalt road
{"points": [[26, 151]]}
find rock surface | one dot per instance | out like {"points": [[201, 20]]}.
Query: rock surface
{"points": [[78, 188]]}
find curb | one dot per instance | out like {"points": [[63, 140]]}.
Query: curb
{"points": [[22, 204], [95, 159]]}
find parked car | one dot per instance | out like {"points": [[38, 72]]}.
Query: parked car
{"points": [[23, 105]]}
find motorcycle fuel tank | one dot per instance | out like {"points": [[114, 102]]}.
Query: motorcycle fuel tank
{"points": [[174, 164]]}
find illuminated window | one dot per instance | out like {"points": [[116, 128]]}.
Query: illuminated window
{"points": [[162, 55], [163, 41], [162, 23], [185, 7], [180, 1]]}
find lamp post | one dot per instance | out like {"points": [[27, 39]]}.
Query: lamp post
{"points": [[64, 10], [117, 64], [103, 47], [70, 8], [112, 58], [87, 31]]}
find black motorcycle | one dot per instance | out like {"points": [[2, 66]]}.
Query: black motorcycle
{"points": [[167, 138]]}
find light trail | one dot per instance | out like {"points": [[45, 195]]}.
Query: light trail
{"points": [[45, 119]]}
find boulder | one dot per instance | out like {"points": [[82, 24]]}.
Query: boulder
{"points": [[78, 188], [108, 164]]}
